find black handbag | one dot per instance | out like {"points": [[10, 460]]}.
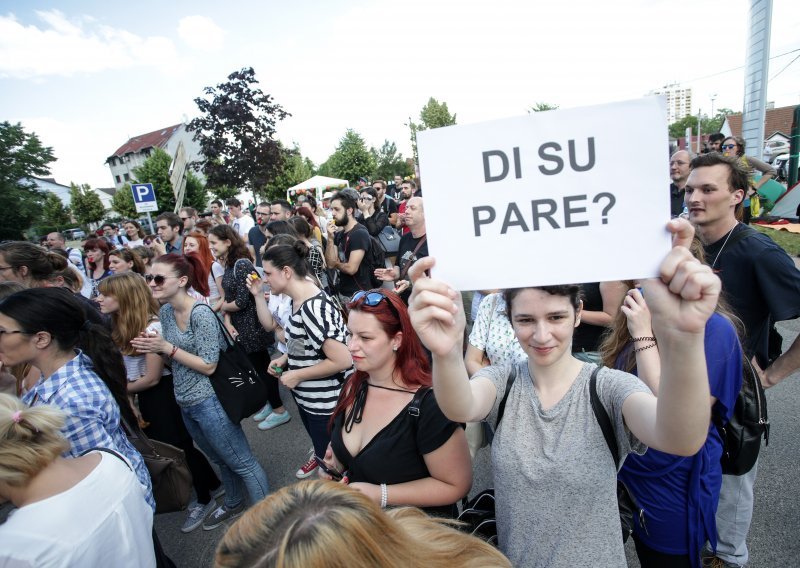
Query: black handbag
{"points": [[169, 472], [238, 386], [628, 507], [389, 238]]}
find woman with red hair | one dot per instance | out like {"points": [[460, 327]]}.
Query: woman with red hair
{"points": [[389, 434], [197, 243]]}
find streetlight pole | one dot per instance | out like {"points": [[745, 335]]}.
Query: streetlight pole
{"points": [[713, 98]]}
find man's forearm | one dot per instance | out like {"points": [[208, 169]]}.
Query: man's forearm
{"points": [[783, 366]]}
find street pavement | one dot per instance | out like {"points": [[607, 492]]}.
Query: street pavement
{"points": [[773, 537]]}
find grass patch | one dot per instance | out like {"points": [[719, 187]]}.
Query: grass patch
{"points": [[790, 242]]}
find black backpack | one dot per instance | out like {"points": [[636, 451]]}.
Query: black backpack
{"points": [[375, 257], [741, 436]]}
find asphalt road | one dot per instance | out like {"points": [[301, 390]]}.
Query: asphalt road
{"points": [[774, 533]]}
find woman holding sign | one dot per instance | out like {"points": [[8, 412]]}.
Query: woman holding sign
{"points": [[554, 478]]}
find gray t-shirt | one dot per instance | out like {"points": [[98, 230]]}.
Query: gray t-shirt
{"points": [[554, 477], [202, 338]]}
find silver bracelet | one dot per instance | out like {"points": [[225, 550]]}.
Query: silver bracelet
{"points": [[384, 495]]}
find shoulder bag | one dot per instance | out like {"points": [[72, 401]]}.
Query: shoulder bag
{"points": [[169, 472], [238, 386]]}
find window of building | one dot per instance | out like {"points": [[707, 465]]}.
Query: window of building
{"points": [[127, 177], [119, 179]]}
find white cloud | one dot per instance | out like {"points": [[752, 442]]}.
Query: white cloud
{"points": [[201, 33], [65, 47]]}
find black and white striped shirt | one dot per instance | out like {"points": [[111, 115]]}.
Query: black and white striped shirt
{"points": [[308, 328]]}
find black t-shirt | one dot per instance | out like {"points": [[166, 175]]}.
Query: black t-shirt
{"points": [[406, 256], [587, 336], [396, 453], [256, 240], [388, 206], [761, 283], [356, 239]]}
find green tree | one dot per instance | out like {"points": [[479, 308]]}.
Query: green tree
{"points": [[389, 162], [86, 204], [53, 211], [22, 156], [433, 115], [122, 202], [295, 169], [155, 170], [351, 160], [236, 133], [541, 107], [195, 195], [707, 125]]}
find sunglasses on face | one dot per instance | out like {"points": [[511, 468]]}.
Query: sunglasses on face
{"points": [[159, 279], [728, 146]]}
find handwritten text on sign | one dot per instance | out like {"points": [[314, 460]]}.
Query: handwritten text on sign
{"points": [[562, 196]]}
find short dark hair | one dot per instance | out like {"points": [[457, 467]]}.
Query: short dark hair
{"points": [[410, 182], [716, 137], [190, 211], [233, 202], [369, 190], [346, 201], [381, 182], [171, 218], [572, 291], [263, 204], [112, 225], [217, 202], [738, 176], [285, 205]]}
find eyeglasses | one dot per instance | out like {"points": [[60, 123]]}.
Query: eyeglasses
{"points": [[159, 279], [728, 146]]}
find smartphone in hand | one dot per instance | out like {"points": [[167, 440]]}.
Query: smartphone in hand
{"points": [[329, 470]]}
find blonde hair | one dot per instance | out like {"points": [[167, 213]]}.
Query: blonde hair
{"points": [[322, 524], [137, 307], [30, 439]]}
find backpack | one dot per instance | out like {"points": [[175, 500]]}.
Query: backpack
{"points": [[375, 257], [741, 435]]}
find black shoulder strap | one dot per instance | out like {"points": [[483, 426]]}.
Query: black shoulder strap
{"points": [[509, 383], [602, 418], [416, 402], [108, 451]]}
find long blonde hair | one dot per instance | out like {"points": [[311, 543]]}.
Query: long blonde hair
{"points": [[322, 524], [137, 307], [30, 439]]}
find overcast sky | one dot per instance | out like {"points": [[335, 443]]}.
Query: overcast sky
{"points": [[86, 76]]}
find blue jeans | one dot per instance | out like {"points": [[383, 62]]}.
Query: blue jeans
{"points": [[317, 427], [226, 445]]}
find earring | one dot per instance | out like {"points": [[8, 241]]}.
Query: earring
{"points": [[395, 349]]}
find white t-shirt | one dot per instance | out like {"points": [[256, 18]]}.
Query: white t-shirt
{"points": [[216, 271], [136, 365], [137, 243], [280, 306], [104, 520], [242, 225]]}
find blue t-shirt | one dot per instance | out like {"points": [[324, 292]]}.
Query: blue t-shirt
{"points": [[680, 494]]}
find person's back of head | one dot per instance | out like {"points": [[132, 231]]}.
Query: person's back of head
{"points": [[30, 440], [326, 524], [31, 264]]}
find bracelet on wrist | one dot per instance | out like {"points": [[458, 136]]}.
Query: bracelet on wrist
{"points": [[174, 350], [384, 495], [635, 339], [645, 347]]}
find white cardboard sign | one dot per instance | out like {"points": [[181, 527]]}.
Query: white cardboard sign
{"points": [[556, 197]]}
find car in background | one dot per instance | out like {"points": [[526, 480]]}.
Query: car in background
{"points": [[774, 148], [781, 164], [74, 234]]}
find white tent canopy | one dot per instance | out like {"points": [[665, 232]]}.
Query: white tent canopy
{"points": [[317, 185]]}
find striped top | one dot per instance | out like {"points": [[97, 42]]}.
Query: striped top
{"points": [[316, 320]]}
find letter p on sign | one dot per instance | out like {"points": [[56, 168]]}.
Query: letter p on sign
{"points": [[144, 197]]}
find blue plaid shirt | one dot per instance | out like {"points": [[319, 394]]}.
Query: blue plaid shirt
{"points": [[92, 414]]}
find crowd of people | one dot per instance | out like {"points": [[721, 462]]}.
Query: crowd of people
{"points": [[384, 369]]}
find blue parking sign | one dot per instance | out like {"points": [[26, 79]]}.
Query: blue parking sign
{"points": [[144, 197]]}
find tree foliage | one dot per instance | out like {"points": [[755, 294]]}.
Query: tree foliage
{"points": [[21, 156], [433, 115], [541, 107], [54, 213], [707, 125], [236, 133], [86, 204], [389, 162], [351, 160], [295, 169]]}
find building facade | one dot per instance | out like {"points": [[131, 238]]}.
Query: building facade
{"points": [[679, 101]]}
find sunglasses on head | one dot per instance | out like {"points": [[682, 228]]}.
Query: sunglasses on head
{"points": [[159, 279], [372, 299]]}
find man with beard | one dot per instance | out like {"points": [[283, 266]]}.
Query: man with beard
{"points": [[348, 243], [407, 191], [256, 237], [385, 203]]}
